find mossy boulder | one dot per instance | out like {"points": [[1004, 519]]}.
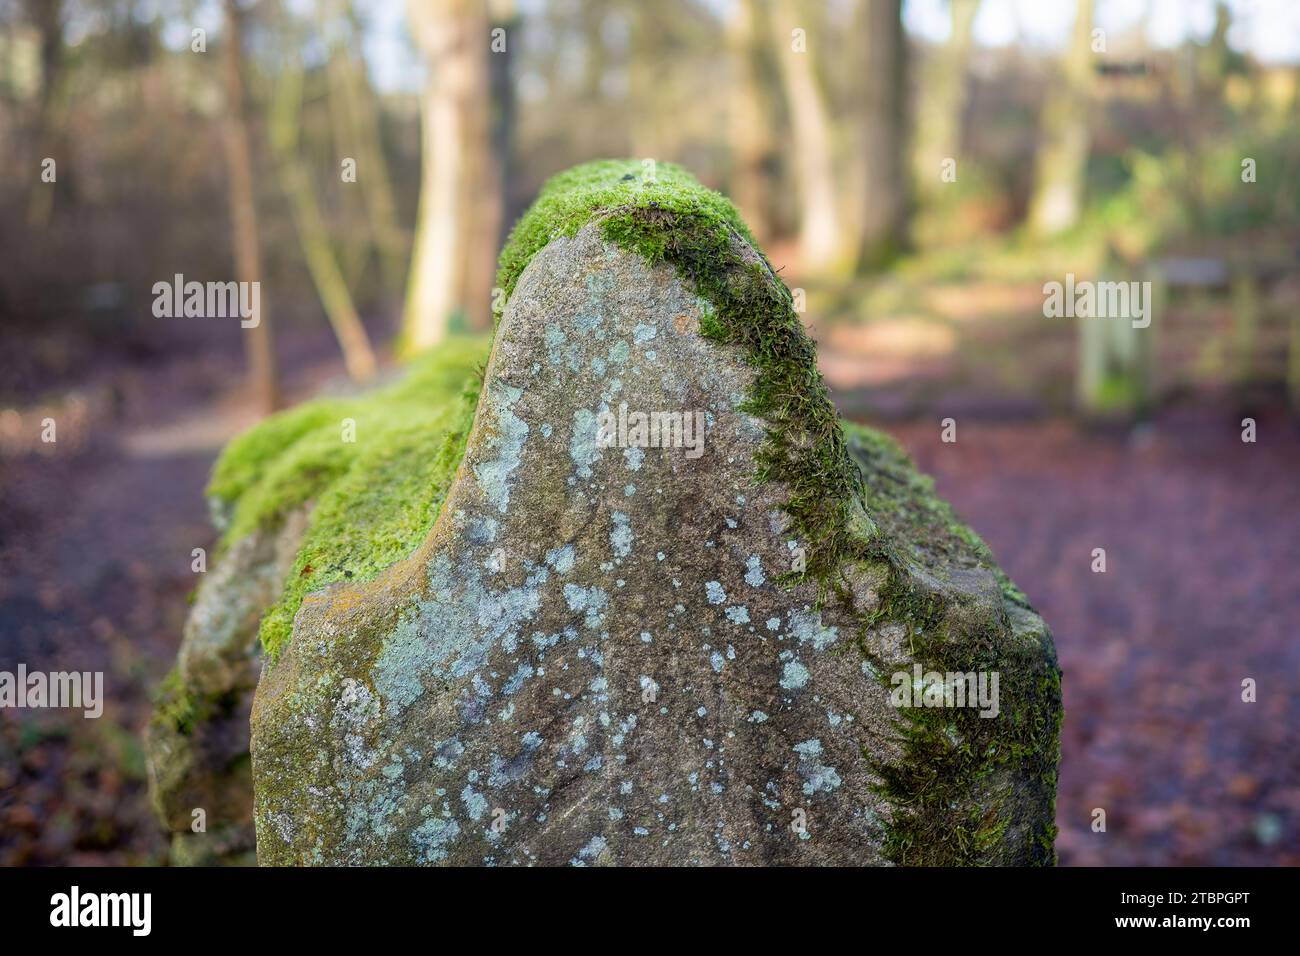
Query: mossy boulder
{"points": [[298, 508], [529, 640]]}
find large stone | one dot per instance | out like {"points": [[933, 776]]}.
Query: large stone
{"points": [[610, 654]]}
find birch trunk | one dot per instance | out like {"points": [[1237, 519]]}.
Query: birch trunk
{"points": [[1063, 156], [820, 236], [456, 202]]}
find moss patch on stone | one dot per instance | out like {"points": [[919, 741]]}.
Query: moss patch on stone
{"points": [[951, 753], [373, 500], [176, 707], [569, 200]]}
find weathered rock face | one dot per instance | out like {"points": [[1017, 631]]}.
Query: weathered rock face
{"points": [[297, 509], [197, 741], [618, 646]]}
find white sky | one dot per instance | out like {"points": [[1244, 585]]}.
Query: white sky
{"points": [[1270, 29]]}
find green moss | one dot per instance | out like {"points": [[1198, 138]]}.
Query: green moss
{"points": [[176, 706], [922, 526], [1117, 393], [569, 200], [180, 708], [373, 499], [951, 754]]}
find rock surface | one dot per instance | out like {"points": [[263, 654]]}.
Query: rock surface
{"points": [[632, 654], [197, 742]]}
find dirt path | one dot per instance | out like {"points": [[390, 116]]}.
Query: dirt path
{"points": [[95, 554]]}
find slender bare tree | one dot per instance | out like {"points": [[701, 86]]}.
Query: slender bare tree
{"points": [[751, 121], [263, 375], [47, 127], [943, 100], [884, 132], [286, 122], [355, 114]]}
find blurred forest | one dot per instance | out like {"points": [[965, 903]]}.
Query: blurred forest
{"points": [[364, 161]]}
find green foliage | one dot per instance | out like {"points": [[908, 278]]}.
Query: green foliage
{"points": [[1162, 199]]}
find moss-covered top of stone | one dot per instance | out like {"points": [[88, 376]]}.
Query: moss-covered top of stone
{"points": [[663, 213], [372, 499], [571, 199]]}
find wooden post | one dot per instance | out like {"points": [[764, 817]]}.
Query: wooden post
{"points": [[1117, 360], [1245, 325]]}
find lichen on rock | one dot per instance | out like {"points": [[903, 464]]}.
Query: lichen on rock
{"points": [[567, 650]]}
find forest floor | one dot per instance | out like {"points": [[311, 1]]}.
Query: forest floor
{"points": [[1201, 590]]}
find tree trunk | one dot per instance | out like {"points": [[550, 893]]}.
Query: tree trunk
{"points": [[820, 231], [260, 348], [286, 118], [358, 121], [751, 115], [1063, 155], [884, 134], [459, 204], [595, 60], [492, 164], [944, 104], [652, 129], [47, 128]]}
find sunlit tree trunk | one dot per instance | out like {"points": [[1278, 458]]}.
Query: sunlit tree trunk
{"points": [[1062, 163], [943, 101], [243, 216], [595, 60], [492, 164], [884, 134], [820, 236], [445, 279], [652, 130], [751, 120]]}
